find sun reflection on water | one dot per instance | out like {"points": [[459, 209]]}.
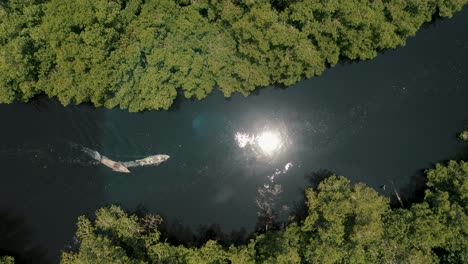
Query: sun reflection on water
{"points": [[267, 142], [268, 145], [243, 139]]}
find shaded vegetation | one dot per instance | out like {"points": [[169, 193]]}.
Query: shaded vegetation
{"points": [[7, 260], [463, 135], [345, 223], [139, 54]]}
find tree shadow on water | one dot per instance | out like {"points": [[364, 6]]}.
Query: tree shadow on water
{"points": [[177, 233], [179, 100], [462, 151], [412, 192], [15, 240]]}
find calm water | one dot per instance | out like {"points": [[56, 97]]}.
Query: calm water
{"points": [[378, 122]]}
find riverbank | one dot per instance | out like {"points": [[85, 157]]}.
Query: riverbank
{"points": [[345, 223]]}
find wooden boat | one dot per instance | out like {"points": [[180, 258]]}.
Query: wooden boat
{"points": [[152, 160], [114, 165], [124, 165]]}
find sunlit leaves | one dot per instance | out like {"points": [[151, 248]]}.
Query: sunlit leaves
{"points": [[463, 135], [348, 222], [447, 196], [448, 7], [7, 260], [451, 179], [104, 51]]}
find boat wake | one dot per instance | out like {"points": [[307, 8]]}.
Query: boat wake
{"points": [[92, 153]]}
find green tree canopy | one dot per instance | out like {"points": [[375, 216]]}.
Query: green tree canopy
{"points": [[140, 55]]}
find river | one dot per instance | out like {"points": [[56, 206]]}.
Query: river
{"points": [[380, 122]]}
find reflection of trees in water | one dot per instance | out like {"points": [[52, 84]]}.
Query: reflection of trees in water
{"points": [[177, 233], [15, 240], [266, 200], [462, 153]]}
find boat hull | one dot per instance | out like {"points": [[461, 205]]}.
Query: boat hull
{"points": [[151, 160], [114, 165]]}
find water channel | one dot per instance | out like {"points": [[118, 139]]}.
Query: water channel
{"points": [[377, 122]]}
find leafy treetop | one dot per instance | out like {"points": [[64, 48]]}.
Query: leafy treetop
{"points": [[139, 55]]}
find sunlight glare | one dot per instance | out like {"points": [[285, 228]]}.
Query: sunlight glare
{"points": [[243, 139], [269, 142]]}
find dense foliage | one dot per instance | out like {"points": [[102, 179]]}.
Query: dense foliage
{"points": [[463, 135], [344, 224], [7, 260], [139, 54]]}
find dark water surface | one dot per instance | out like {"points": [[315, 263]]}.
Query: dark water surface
{"points": [[377, 121]]}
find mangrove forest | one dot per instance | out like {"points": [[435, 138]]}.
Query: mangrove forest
{"points": [[141, 54]]}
